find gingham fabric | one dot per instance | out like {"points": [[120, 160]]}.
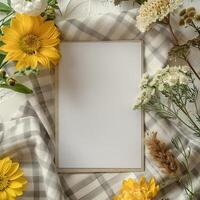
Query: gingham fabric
{"points": [[29, 137]]}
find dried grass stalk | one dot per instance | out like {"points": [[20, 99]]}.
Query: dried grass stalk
{"points": [[162, 155]]}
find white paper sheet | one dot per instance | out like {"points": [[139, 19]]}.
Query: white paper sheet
{"points": [[97, 85]]}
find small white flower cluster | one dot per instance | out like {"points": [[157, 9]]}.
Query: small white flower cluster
{"points": [[165, 78], [155, 10], [170, 76], [146, 91], [29, 7]]}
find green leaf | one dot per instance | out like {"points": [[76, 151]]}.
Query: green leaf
{"points": [[18, 88], [7, 22], [5, 8], [52, 1], [2, 56], [9, 2]]}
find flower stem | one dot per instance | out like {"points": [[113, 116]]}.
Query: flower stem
{"points": [[176, 42], [3, 64], [2, 20], [189, 189], [194, 71], [195, 27], [187, 164], [183, 107], [177, 116], [172, 32]]}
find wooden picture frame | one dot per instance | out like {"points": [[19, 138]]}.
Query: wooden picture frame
{"points": [[101, 170]]}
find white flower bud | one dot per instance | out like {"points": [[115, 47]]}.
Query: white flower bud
{"points": [[172, 79], [33, 7], [144, 81], [161, 87], [183, 79], [185, 69]]}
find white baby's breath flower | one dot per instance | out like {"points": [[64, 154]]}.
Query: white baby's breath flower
{"points": [[184, 69], [162, 81], [145, 96], [156, 78], [183, 79], [161, 87], [165, 70], [155, 10], [145, 80], [171, 76], [174, 70], [171, 79], [154, 82], [32, 7]]}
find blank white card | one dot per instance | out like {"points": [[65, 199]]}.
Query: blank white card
{"points": [[96, 127]]}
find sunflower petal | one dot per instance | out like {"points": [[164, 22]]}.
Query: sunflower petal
{"points": [[26, 23], [10, 192], [51, 53], [48, 29], [38, 21], [3, 162], [13, 169], [22, 180], [13, 55], [15, 185], [32, 61], [3, 195], [18, 192], [50, 42], [16, 175]]}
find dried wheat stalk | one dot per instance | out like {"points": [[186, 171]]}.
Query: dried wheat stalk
{"points": [[162, 155]]}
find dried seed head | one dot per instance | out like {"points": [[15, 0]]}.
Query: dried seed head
{"points": [[162, 155], [11, 82], [197, 17], [191, 9], [182, 13], [188, 20], [182, 22], [185, 16], [191, 14], [2, 73]]}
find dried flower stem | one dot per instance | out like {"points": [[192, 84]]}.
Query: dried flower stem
{"points": [[195, 27], [167, 161], [189, 189], [172, 32], [177, 43]]}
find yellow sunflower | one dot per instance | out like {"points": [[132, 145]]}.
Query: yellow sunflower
{"points": [[138, 190], [12, 181], [31, 41]]}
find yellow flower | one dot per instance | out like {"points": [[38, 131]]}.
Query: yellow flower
{"points": [[134, 190], [12, 181], [31, 41]]}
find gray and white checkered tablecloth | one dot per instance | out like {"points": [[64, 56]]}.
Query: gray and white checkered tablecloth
{"points": [[29, 136]]}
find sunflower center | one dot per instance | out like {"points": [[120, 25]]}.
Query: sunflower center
{"points": [[3, 183], [30, 44]]}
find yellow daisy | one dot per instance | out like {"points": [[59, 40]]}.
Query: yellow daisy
{"points": [[12, 181], [138, 190], [31, 41]]}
